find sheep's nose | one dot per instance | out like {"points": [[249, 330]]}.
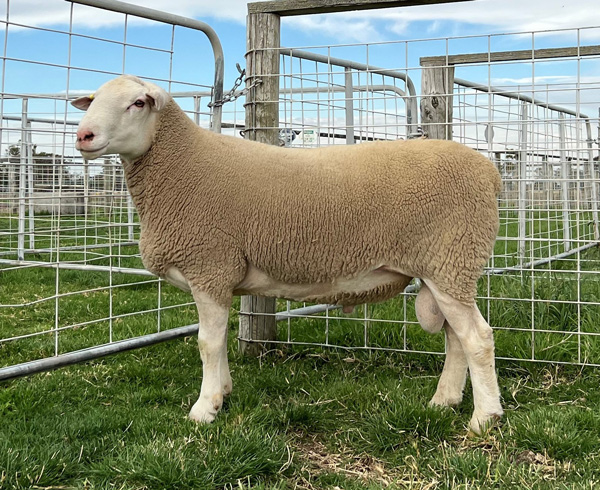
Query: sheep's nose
{"points": [[84, 135]]}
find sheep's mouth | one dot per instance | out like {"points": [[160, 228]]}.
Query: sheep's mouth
{"points": [[95, 153]]}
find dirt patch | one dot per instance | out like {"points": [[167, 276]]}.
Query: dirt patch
{"points": [[317, 459], [541, 462]]}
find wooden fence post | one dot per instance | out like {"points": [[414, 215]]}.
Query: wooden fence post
{"points": [[257, 315], [437, 85]]}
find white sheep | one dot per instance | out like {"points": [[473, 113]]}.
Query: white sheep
{"points": [[221, 216]]}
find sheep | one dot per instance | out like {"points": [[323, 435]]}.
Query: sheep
{"points": [[222, 216]]}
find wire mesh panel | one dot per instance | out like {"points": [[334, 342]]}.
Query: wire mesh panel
{"points": [[326, 100], [70, 273], [541, 288], [531, 108], [545, 155]]}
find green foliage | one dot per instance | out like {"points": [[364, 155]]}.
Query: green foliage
{"points": [[298, 418], [318, 418]]}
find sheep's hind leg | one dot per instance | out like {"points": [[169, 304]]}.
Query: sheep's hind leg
{"points": [[452, 381], [454, 375], [212, 339], [476, 338]]}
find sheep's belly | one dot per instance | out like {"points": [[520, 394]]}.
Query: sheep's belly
{"points": [[381, 278]]}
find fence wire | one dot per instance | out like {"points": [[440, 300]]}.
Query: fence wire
{"points": [[70, 273], [536, 119], [71, 277]]}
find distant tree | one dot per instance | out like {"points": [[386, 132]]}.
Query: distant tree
{"points": [[48, 169]]}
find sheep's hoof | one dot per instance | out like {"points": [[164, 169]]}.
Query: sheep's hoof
{"points": [[444, 400], [205, 411], [481, 423], [202, 417]]}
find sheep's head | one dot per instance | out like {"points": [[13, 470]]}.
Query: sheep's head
{"points": [[121, 118]]}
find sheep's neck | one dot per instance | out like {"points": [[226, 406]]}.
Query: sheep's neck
{"points": [[173, 128]]}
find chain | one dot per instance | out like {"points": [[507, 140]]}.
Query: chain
{"points": [[232, 95]]}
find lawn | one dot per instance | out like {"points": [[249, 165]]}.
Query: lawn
{"points": [[299, 417]]}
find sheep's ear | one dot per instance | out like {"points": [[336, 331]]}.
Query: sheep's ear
{"points": [[157, 96], [82, 103]]}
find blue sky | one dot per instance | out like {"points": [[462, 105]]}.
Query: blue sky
{"points": [[37, 59], [227, 17]]}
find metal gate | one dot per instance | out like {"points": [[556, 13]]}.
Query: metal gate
{"points": [[72, 285], [540, 290]]}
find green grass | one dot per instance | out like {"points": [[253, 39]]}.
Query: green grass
{"points": [[546, 229], [551, 328], [298, 418], [305, 418]]}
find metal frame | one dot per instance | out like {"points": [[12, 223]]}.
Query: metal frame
{"points": [[26, 200], [409, 96], [176, 20], [527, 266], [529, 262]]}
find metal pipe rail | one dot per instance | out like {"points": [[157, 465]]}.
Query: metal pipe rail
{"points": [[69, 358], [563, 110], [520, 97], [217, 94], [176, 20], [412, 109]]}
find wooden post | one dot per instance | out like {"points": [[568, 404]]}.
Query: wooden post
{"points": [[257, 315], [303, 7], [437, 85]]}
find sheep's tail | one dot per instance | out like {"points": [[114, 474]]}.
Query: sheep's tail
{"points": [[495, 178], [497, 182]]}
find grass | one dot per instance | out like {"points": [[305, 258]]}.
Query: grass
{"points": [[305, 418]]}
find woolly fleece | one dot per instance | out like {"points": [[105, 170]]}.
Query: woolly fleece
{"points": [[211, 204]]}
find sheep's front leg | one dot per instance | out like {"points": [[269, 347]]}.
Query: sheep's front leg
{"points": [[226, 383], [212, 342]]}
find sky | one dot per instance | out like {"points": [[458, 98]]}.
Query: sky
{"points": [[37, 61], [227, 17], [478, 17]]}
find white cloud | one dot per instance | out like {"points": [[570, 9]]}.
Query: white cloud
{"points": [[398, 27], [482, 16], [434, 27], [57, 12], [553, 79], [344, 30], [499, 15], [504, 16]]}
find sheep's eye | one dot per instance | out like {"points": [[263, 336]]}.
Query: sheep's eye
{"points": [[139, 103]]}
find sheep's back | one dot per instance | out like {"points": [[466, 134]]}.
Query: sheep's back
{"points": [[425, 207]]}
